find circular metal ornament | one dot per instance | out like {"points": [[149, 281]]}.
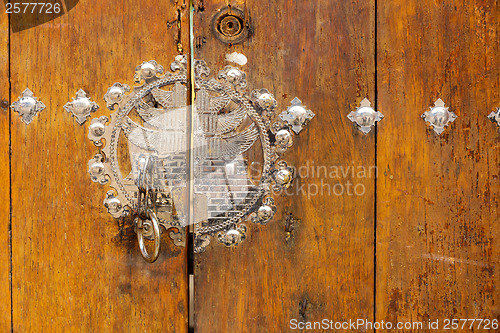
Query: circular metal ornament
{"points": [[265, 212]]}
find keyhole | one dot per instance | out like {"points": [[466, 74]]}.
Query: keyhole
{"points": [[230, 26]]}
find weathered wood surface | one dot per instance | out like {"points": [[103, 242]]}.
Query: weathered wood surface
{"points": [[322, 52], [74, 268], [5, 305], [438, 196]]}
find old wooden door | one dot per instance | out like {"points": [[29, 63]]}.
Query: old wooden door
{"points": [[415, 239]]}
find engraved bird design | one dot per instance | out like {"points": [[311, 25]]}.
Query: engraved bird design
{"points": [[164, 130]]}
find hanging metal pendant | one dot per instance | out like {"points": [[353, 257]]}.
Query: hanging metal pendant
{"points": [[81, 107], [228, 126], [495, 116], [365, 116], [27, 106], [439, 116]]}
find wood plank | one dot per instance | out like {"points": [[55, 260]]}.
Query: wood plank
{"points": [[438, 196], [323, 53], [74, 268], [5, 304]]}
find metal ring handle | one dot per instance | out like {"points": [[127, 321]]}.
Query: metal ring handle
{"points": [[156, 237], [143, 180]]}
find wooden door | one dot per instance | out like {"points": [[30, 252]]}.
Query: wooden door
{"points": [[296, 268], [438, 196], [75, 268], [414, 240]]}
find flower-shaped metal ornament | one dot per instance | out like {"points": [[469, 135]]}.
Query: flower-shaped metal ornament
{"points": [[439, 116], [115, 94], [147, 70], [27, 106], [81, 107], [233, 236], [297, 116], [265, 100], [174, 179], [495, 116], [265, 212], [365, 116]]}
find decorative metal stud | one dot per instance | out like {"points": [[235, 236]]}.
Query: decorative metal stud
{"points": [[283, 141], [227, 122], [114, 205], [27, 106], [264, 101], [147, 70], [179, 63], [233, 236], [297, 115], [495, 116], [265, 212], [365, 116], [233, 76], [283, 176], [81, 107], [439, 116], [96, 169], [115, 94], [97, 129]]}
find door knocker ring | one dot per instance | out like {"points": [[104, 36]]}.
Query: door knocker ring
{"points": [[146, 227]]}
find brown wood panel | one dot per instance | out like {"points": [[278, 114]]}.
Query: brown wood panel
{"points": [[438, 196], [74, 268], [322, 52], [5, 305]]}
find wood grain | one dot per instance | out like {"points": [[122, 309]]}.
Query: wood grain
{"points": [[438, 196], [5, 304], [74, 267], [322, 52]]}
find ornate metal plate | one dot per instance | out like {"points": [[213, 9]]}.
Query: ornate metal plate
{"points": [[222, 157]]}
